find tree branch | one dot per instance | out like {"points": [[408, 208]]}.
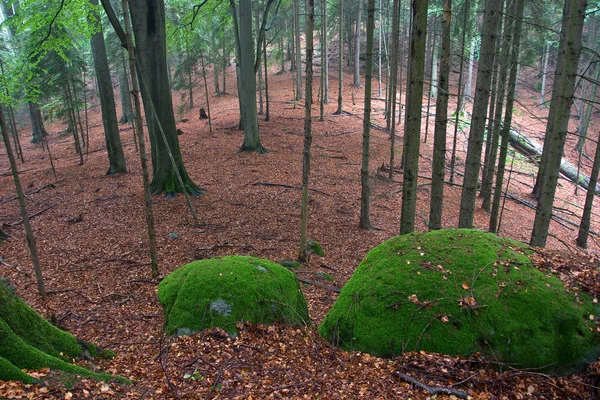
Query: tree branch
{"points": [[433, 389]]}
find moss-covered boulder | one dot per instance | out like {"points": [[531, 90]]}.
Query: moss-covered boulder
{"points": [[28, 341], [459, 292], [218, 292]]}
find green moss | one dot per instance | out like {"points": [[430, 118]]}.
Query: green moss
{"points": [[8, 372], [34, 330], [460, 292], [219, 292], [24, 356], [28, 341]]}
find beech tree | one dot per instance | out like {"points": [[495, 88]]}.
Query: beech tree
{"points": [[114, 148], [148, 20]]}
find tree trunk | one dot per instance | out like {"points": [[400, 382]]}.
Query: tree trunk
{"points": [[248, 81], [38, 132], [546, 56], [306, 152], [340, 58], [558, 116], [325, 49], [23, 207], [584, 226], [357, 46], [114, 148], [469, 81], [364, 172], [492, 13], [587, 114], [297, 51], [392, 86], [441, 125], [414, 103], [148, 18], [460, 94], [506, 127], [126, 108], [259, 71], [139, 132], [494, 133]]}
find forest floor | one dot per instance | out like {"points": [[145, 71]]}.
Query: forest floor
{"points": [[92, 239]]}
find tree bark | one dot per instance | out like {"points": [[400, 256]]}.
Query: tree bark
{"points": [[248, 81], [441, 124], [148, 19], [297, 51], [306, 152], [340, 58], [357, 46], [414, 103], [126, 108], [365, 193], [492, 13], [558, 116], [23, 207], [114, 148], [584, 226], [38, 132]]}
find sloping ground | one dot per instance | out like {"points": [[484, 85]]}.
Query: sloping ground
{"points": [[93, 247]]}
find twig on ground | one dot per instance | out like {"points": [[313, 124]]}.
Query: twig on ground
{"points": [[319, 284], [33, 215], [433, 389]]}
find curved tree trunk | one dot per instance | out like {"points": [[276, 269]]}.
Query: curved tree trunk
{"points": [[148, 18]]}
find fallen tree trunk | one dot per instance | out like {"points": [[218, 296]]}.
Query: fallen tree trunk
{"points": [[529, 147]]}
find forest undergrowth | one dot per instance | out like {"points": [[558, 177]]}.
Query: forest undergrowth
{"points": [[91, 234]]}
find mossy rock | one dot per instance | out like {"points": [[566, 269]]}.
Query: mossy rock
{"points": [[28, 341], [459, 292], [221, 291]]}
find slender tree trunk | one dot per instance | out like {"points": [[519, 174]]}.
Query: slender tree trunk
{"points": [[587, 114], [206, 92], [225, 65], [432, 83], [303, 253], [392, 85], [297, 51], [365, 193], [325, 49], [73, 122], [546, 56], [340, 58], [414, 103], [494, 133], [506, 126], [259, 71], [116, 158], [139, 131], [558, 116], [267, 116], [584, 226], [441, 124], [357, 46], [469, 81], [460, 94], [492, 13], [21, 197]]}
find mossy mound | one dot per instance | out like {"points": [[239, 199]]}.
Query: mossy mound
{"points": [[219, 292], [459, 292], [28, 341]]}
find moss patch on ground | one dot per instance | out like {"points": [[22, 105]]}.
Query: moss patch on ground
{"points": [[219, 292], [28, 341], [460, 292]]}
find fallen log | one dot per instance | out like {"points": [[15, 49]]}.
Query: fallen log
{"points": [[529, 147]]}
